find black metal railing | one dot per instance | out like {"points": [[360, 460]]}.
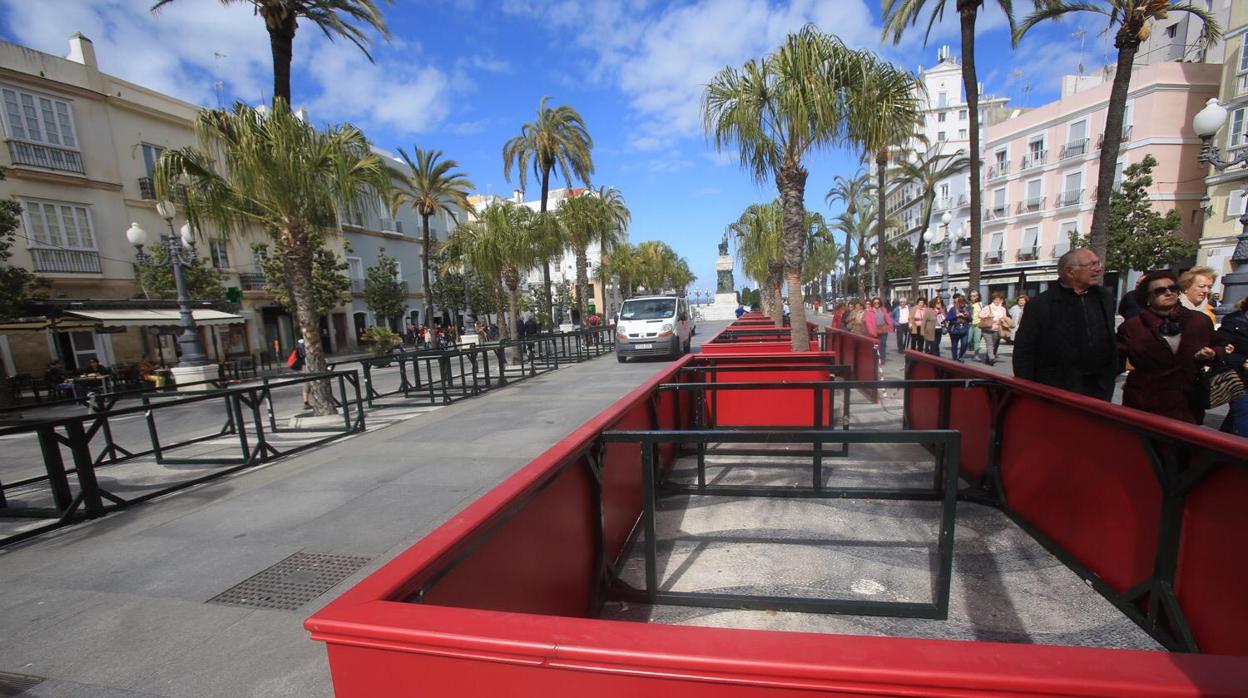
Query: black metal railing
{"points": [[45, 156], [251, 281], [57, 260]]}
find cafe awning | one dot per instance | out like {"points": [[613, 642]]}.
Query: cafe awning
{"points": [[144, 317], [42, 324]]}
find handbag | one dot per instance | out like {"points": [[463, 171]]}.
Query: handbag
{"points": [[958, 329], [1220, 385], [985, 323], [293, 358]]}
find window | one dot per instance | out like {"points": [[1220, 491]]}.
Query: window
{"points": [[1118, 174], [1243, 54], [944, 190], [1237, 138], [257, 260], [940, 118], [1172, 30], [1235, 203], [1030, 237], [355, 268], [961, 115], [942, 99], [50, 224], [940, 135], [398, 271], [1035, 195], [151, 153], [1073, 191], [33, 117], [962, 134], [1065, 232], [996, 245], [1035, 149], [84, 348], [219, 252]]}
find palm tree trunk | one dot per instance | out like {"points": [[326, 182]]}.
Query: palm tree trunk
{"points": [[772, 304], [967, 10], [298, 256], [1127, 44], [424, 269], [582, 283], [921, 247], [881, 167], [791, 181], [281, 41], [513, 305], [504, 329], [550, 297]]}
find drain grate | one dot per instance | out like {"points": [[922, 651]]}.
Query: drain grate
{"points": [[17, 684], [292, 582]]}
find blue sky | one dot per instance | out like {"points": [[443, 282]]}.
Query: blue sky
{"points": [[463, 75]]}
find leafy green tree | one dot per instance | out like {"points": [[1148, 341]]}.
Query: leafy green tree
{"points": [[330, 283], [777, 111], [1140, 238], [332, 17], [557, 141], [595, 217], [759, 237], [203, 282], [273, 170], [430, 186], [899, 255], [384, 293], [1132, 22], [18, 286], [926, 171]]}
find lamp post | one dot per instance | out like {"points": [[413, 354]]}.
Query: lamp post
{"points": [[1206, 124], [193, 365], [945, 219]]}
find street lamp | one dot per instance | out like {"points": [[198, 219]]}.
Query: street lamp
{"points": [[192, 366], [1206, 124]]}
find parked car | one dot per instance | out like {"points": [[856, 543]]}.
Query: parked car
{"points": [[652, 326]]}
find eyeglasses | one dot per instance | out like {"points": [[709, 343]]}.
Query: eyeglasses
{"points": [[1094, 265], [1163, 290]]}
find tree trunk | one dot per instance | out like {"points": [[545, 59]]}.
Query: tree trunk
{"points": [[921, 246], [1127, 43], [424, 269], [881, 274], [550, 296], [967, 10], [513, 305], [299, 256], [582, 283], [504, 329], [773, 306], [281, 41], [791, 181]]}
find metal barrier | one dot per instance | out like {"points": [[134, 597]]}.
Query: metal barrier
{"points": [[860, 352], [90, 499]]}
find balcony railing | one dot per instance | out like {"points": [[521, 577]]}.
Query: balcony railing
{"points": [[1070, 198], [942, 204], [1028, 252], [963, 199], [45, 156], [391, 225], [1075, 148], [1032, 205], [995, 212], [999, 170], [147, 189], [1035, 159], [65, 261], [994, 256], [251, 282], [357, 285]]}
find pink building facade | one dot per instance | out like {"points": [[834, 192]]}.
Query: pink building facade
{"points": [[1041, 168]]}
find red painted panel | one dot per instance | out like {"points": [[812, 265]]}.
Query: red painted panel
{"points": [[792, 407], [923, 404], [737, 348], [621, 481], [1094, 494], [1213, 568]]}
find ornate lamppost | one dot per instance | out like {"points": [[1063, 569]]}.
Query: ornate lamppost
{"points": [[945, 242], [193, 365], [1206, 124]]}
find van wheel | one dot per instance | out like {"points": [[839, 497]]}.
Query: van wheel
{"points": [[621, 358]]}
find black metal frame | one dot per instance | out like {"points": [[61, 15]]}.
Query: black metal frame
{"points": [[946, 445]]}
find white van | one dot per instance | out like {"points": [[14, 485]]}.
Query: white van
{"points": [[652, 326]]}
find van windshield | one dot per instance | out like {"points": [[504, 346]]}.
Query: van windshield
{"points": [[648, 309]]}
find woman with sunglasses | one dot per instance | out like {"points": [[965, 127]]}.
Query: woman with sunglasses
{"points": [[1167, 345]]}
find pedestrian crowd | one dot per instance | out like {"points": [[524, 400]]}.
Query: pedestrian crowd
{"points": [[1179, 361]]}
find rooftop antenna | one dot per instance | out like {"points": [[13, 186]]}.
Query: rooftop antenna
{"points": [[1080, 34], [218, 85]]}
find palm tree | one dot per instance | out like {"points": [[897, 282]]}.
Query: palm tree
{"points": [[857, 227], [759, 235], [557, 141], [821, 254], [430, 186], [658, 267], [850, 191], [884, 114], [776, 110], [927, 170], [598, 217], [284, 176], [332, 17], [623, 264], [1131, 21], [471, 246]]}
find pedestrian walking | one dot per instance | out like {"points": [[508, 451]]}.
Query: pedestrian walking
{"points": [[1197, 283], [937, 308], [1234, 331], [299, 364], [994, 320], [1066, 339], [901, 324], [878, 324], [1016, 316], [856, 318], [977, 330], [958, 322], [925, 335], [1168, 345]]}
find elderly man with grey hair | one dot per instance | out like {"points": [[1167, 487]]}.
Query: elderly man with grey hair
{"points": [[1066, 338]]}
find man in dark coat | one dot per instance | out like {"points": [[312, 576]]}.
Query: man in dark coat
{"points": [[1066, 338]]}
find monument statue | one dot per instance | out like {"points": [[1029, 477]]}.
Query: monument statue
{"points": [[723, 245], [723, 268]]}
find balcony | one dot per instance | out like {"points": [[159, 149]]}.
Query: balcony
{"points": [[251, 282], [1025, 253], [1032, 205], [996, 212], [1034, 160], [65, 261], [391, 225], [45, 156], [1070, 198], [357, 285], [994, 256], [1074, 149], [999, 170], [147, 189], [942, 204]]}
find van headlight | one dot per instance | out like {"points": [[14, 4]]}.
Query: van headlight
{"points": [[667, 327]]}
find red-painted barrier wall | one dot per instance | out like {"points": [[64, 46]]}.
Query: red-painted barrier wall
{"points": [[1079, 471]]}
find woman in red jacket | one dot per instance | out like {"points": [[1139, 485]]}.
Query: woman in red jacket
{"points": [[1167, 345], [878, 322]]}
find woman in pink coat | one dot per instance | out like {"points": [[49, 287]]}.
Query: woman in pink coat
{"points": [[878, 323]]}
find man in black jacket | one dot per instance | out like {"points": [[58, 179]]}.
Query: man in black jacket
{"points": [[1066, 338]]}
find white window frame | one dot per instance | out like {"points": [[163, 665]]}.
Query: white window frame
{"points": [[1035, 237], [1120, 168], [962, 115], [1032, 150], [996, 245], [1236, 137], [60, 121], [1063, 233], [219, 253], [1243, 54], [940, 136], [940, 117], [1236, 202], [1001, 157], [54, 242], [158, 150], [1027, 190], [398, 271], [354, 263], [1066, 189], [961, 134]]}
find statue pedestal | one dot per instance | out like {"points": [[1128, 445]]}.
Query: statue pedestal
{"points": [[725, 305]]}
